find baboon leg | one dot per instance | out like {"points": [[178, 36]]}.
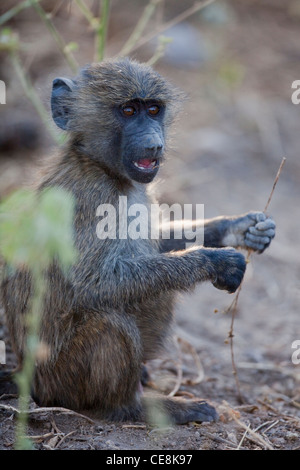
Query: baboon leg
{"points": [[98, 368], [164, 410], [7, 384]]}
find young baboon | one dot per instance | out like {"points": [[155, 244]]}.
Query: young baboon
{"points": [[113, 310]]}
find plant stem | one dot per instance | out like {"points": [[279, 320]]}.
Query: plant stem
{"points": [[101, 32], [33, 96], [160, 50], [55, 34], [181, 17], [15, 10], [138, 30], [87, 13], [25, 377]]}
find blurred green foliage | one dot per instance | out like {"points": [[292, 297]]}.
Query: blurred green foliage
{"points": [[35, 229]]}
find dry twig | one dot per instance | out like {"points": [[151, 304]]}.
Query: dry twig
{"points": [[250, 433], [233, 305], [182, 343], [169, 24], [46, 410], [63, 439], [192, 351]]}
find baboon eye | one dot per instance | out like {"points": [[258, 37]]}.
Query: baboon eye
{"points": [[129, 110], [154, 109]]}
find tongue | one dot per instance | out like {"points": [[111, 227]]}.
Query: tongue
{"points": [[146, 162]]}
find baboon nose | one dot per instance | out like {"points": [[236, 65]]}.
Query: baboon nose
{"points": [[155, 148], [153, 145], [154, 151]]}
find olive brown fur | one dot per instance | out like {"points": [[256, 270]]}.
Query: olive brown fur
{"points": [[113, 310]]}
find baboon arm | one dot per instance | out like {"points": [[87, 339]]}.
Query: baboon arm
{"points": [[209, 233], [124, 280], [252, 230]]}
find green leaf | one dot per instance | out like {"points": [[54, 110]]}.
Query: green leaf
{"points": [[35, 228], [72, 46]]}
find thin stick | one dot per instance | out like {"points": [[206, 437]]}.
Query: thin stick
{"points": [[8, 15], [101, 31], [33, 96], [64, 438], [181, 17], [41, 437], [200, 371], [160, 50], [88, 14], [244, 435], [141, 25], [271, 425], [233, 305], [178, 365], [216, 438], [47, 409], [233, 308], [275, 182], [133, 426], [254, 436], [55, 34]]}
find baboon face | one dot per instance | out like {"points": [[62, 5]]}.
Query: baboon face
{"points": [[118, 113], [142, 143]]}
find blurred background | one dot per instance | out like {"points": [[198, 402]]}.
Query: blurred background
{"points": [[236, 61]]}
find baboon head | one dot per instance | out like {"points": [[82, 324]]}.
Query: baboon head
{"points": [[118, 113]]}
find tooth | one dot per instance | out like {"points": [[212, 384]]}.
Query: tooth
{"points": [[141, 167]]}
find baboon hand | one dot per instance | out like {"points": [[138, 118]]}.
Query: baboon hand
{"points": [[254, 230], [229, 267], [259, 235]]}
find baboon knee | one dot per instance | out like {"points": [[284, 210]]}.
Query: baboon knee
{"points": [[98, 368]]}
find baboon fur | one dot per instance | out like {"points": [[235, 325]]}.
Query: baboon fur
{"points": [[113, 310]]}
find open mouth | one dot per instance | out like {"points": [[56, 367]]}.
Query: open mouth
{"points": [[146, 164]]}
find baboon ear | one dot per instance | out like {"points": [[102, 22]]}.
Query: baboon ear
{"points": [[61, 89]]}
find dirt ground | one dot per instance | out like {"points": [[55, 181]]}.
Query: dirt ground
{"points": [[237, 124]]}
